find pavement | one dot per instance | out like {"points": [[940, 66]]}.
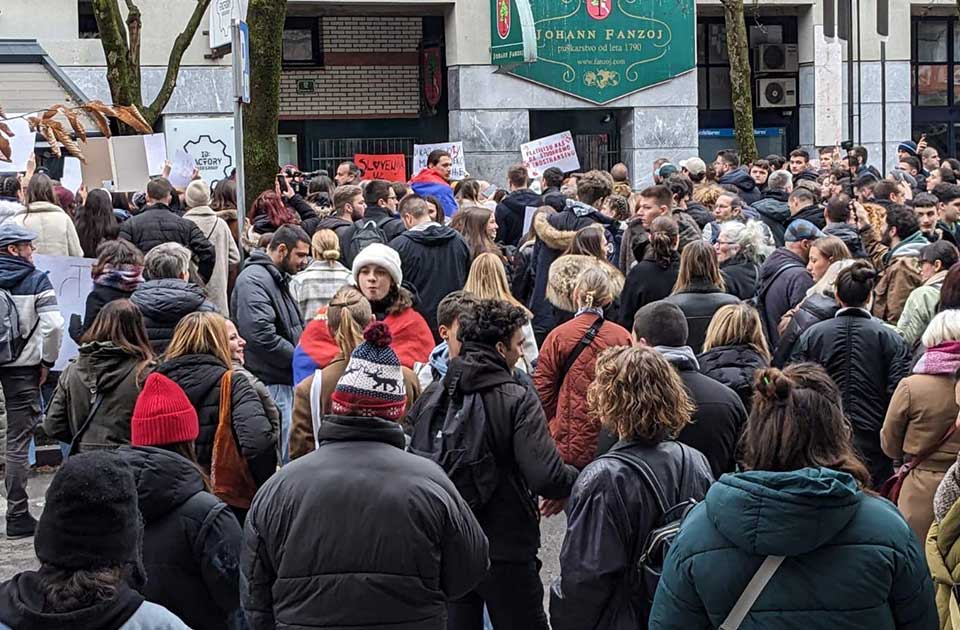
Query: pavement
{"points": [[18, 555]]}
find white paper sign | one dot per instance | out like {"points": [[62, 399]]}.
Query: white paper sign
{"points": [[72, 283], [528, 213], [21, 144], [208, 139], [71, 178], [556, 150], [155, 145], [420, 152], [181, 173]]}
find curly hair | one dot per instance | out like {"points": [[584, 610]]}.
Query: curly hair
{"points": [[491, 321], [653, 413], [751, 238], [708, 195]]}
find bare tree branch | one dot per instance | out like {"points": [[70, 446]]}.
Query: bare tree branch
{"points": [[134, 28], [122, 75]]}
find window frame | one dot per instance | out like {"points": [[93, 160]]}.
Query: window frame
{"points": [[316, 41]]}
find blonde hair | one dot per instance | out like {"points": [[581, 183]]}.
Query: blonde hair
{"points": [[657, 411], [347, 315], [201, 333], [736, 324], [708, 195], [698, 261], [488, 281], [325, 245], [593, 288]]}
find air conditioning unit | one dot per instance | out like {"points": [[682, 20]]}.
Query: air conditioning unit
{"points": [[776, 93], [777, 58]]}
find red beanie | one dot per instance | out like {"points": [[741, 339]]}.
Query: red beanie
{"points": [[163, 414]]}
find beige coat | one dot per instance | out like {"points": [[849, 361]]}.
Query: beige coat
{"points": [[56, 234], [921, 410], [219, 235]]}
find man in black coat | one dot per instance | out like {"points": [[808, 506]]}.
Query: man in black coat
{"points": [[434, 258], [512, 209], [784, 278], [167, 295], [528, 465], [773, 208], [382, 204], [730, 173], [157, 224], [720, 415], [360, 533], [803, 206], [268, 317], [550, 183]]}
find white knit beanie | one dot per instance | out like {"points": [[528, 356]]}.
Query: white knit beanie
{"points": [[197, 194], [382, 256]]}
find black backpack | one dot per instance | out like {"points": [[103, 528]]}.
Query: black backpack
{"points": [[759, 299], [364, 232], [455, 437]]}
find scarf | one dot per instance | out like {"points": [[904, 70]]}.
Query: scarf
{"points": [[680, 356], [126, 277], [942, 358], [947, 493], [596, 310]]}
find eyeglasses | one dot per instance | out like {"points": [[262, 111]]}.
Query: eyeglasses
{"points": [[725, 243]]}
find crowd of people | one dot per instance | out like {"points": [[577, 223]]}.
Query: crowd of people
{"points": [[739, 383]]}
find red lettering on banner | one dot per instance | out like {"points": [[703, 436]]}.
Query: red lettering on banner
{"points": [[391, 167]]}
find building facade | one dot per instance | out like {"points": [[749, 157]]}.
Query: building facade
{"points": [[380, 76]]}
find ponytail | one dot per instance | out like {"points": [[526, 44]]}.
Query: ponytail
{"points": [[348, 314], [663, 238]]}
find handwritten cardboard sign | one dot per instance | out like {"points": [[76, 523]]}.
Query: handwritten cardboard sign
{"points": [[458, 170], [391, 167], [556, 150]]}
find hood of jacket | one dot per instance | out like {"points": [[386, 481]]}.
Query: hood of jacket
{"points": [[23, 607], [552, 237], [910, 247], [563, 277], [260, 258], [681, 357], [9, 207], [200, 211], [813, 214], [782, 513], [844, 231], [777, 259], [739, 178], [167, 299], [776, 195], [518, 200], [428, 176], [165, 480], [44, 206], [478, 367], [108, 362], [773, 208], [435, 235], [440, 358], [734, 356], [360, 429], [13, 270]]}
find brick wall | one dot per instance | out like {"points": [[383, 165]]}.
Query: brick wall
{"points": [[370, 71]]}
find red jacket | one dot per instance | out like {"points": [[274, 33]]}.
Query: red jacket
{"points": [[573, 429]]}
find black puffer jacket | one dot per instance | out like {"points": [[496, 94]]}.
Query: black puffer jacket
{"points": [[609, 515], [199, 376], [700, 213], [813, 214], [329, 544], [163, 303], [191, 541], [646, 282], [784, 283], [734, 366], [741, 277], [268, 318], [813, 310], [510, 213], [699, 302], [774, 211], [159, 224], [527, 457], [741, 179], [850, 237], [391, 225]]}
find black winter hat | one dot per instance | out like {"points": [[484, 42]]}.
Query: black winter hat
{"points": [[91, 519]]}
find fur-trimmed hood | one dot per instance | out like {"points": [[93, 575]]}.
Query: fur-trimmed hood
{"points": [[552, 237], [563, 277]]}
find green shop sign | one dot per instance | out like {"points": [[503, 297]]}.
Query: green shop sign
{"points": [[597, 50]]}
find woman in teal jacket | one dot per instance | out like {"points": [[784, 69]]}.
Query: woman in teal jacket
{"points": [[851, 559]]}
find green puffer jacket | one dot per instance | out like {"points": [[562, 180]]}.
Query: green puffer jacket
{"points": [[920, 308], [851, 560]]}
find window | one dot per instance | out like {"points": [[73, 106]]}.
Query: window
{"points": [[87, 23], [301, 42], [935, 81], [713, 66]]}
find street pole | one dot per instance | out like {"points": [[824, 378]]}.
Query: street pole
{"points": [[241, 88]]}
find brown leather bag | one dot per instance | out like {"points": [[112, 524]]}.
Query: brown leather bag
{"points": [[229, 474]]}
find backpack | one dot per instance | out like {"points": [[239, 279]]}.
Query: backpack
{"points": [[455, 437], [758, 300], [365, 232], [12, 343]]}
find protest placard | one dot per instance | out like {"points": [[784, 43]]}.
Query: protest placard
{"points": [[420, 152], [71, 179], [181, 172], [156, 147], [391, 167], [21, 144], [556, 150], [72, 283], [129, 157]]}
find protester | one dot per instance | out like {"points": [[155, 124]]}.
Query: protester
{"points": [[95, 222], [224, 203], [730, 173], [197, 200], [425, 247], [550, 184], [448, 319], [653, 277], [27, 361], [524, 457], [268, 318], [735, 349], [838, 216], [784, 279], [741, 248], [587, 251], [657, 201], [948, 207], [613, 508], [313, 287], [524, 265], [434, 181], [157, 224], [440, 554], [382, 202], [566, 368], [347, 317], [479, 230], [56, 233], [512, 209], [167, 296], [236, 443], [896, 256], [866, 359], [719, 415], [191, 540], [88, 545], [349, 208], [238, 358], [936, 260], [802, 498], [919, 425], [348, 174], [282, 206], [93, 401], [117, 273], [699, 291], [11, 197]]}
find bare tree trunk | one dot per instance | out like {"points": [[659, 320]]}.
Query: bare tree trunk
{"points": [[265, 20], [741, 91]]}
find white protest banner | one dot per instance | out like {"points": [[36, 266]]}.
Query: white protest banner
{"points": [[156, 148], [181, 173], [21, 144], [556, 150], [71, 178], [209, 139], [420, 152], [72, 283]]}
